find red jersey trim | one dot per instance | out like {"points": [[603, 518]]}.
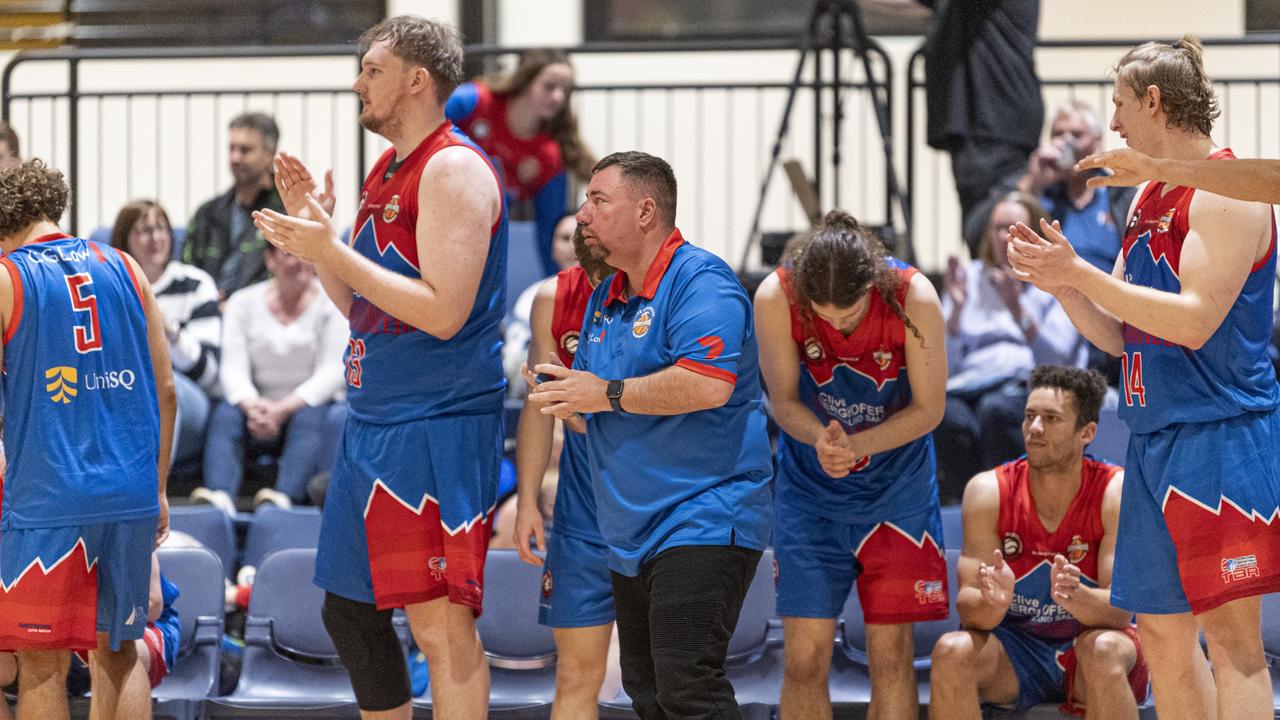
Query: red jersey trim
{"points": [[708, 370], [16, 316], [653, 276], [137, 287], [51, 237]]}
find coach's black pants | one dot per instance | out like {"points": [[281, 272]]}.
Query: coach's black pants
{"points": [[674, 623]]}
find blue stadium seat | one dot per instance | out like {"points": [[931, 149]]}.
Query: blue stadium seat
{"points": [[952, 527], [273, 528], [198, 574], [521, 652], [100, 234], [524, 264], [211, 527], [754, 660], [1112, 441], [291, 668]]}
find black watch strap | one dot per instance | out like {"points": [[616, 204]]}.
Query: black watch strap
{"points": [[614, 393]]}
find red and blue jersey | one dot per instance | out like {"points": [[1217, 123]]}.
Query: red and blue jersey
{"points": [[1029, 548], [575, 510], [396, 372], [1164, 383], [532, 169], [859, 381], [698, 478], [82, 422]]}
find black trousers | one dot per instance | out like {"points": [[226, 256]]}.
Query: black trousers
{"points": [[674, 623]]}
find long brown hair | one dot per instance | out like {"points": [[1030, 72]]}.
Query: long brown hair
{"points": [[129, 216], [839, 263], [564, 126]]}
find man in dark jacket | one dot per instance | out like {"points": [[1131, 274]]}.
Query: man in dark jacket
{"points": [[221, 238]]}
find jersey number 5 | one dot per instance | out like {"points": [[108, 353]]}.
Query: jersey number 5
{"points": [[355, 352], [1131, 374], [88, 337]]}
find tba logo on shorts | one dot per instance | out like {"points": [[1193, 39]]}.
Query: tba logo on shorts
{"points": [[929, 592], [547, 584], [1011, 546], [436, 566], [1239, 568]]}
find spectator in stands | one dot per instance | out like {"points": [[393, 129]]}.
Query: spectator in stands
{"points": [[998, 328], [156, 651], [982, 92], [188, 300], [221, 238], [515, 343], [9, 155], [1035, 576], [525, 123], [282, 380]]}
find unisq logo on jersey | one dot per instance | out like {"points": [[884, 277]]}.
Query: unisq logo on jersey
{"points": [[63, 382]]}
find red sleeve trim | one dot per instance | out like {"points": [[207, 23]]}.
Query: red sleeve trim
{"points": [[708, 370], [16, 316], [137, 287]]}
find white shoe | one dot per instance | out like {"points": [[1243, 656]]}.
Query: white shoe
{"points": [[272, 496], [217, 498]]}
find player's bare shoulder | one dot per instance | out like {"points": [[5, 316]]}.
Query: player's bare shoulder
{"points": [[460, 170]]}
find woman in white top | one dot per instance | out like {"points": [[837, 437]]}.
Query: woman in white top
{"points": [[998, 329], [188, 300], [282, 383]]}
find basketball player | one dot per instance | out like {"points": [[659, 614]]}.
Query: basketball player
{"points": [[1039, 539], [851, 345], [577, 592], [1188, 310], [408, 512], [89, 407]]}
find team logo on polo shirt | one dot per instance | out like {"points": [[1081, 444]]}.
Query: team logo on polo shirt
{"points": [[1077, 549], [643, 321], [812, 349], [547, 584], [569, 342], [1011, 546], [392, 209], [1163, 224], [882, 358]]}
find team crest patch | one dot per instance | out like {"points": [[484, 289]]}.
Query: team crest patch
{"points": [[1077, 550], [1011, 546], [480, 129], [929, 592], [569, 342], [643, 321], [1163, 224], [547, 584], [812, 349], [392, 209], [882, 358]]}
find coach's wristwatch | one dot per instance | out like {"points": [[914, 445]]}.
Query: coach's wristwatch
{"points": [[614, 393]]}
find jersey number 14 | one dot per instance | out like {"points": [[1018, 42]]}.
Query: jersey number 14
{"points": [[1131, 375]]}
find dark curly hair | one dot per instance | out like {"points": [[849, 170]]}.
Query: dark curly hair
{"points": [[30, 192], [1087, 388], [839, 262]]}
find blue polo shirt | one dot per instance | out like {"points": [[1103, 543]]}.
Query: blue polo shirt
{"points": [[700, 478]]}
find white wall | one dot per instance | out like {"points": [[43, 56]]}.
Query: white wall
{"points": [[176, 151]]}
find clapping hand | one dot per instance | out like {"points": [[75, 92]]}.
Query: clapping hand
{"points": [[996, 581]]}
